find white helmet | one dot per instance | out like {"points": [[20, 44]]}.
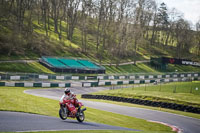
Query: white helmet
{"points": [[67, 90]]}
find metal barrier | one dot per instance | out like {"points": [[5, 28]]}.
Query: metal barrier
{"points": [[30, 76]]}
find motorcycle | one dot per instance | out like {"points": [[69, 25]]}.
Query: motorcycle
{"points": [[67, 109]]}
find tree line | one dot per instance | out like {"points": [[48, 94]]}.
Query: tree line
{"points": [[120, 27]]}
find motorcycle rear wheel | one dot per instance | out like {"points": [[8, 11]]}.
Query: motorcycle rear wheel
{"points": [[80, 116], [62, 115]]}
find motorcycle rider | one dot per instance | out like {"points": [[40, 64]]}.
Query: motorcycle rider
{"points": [[68, 95]]}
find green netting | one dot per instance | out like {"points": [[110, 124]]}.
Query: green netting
{"points": [[88, 64], [54, 62], [72, 63]]}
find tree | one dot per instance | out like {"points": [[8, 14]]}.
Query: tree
{"points": [[184, 37], [111, 30], [44, 8], [87, 6], [197, 37], [163, 15], [138, 26], [55, 5], [122, 29], [154, 27], [72, 16], [174, 16], [147, 16]]}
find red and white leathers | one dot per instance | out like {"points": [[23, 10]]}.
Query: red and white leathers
{"points": [[71, 101], [68, 96]]}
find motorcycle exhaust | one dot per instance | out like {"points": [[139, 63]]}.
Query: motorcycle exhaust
{"points": [[84, 109]]}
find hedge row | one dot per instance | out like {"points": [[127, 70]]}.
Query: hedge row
{"points": [[174, 106]]}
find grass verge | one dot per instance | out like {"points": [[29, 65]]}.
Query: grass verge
{"points": [[13, 99], [187, 93], [95, 131]]}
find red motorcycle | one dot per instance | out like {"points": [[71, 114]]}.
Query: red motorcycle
{"points": [[72, 108]]}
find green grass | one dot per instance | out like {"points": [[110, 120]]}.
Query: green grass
{"points": [[146, 68], [94, 131], [13, 99], [35, 67], [17, 57], [181, 93], [182, 68], [31, 67], [127, 69]]}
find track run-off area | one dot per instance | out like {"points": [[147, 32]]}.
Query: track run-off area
{"points": [[182, 123], [11, 122]]}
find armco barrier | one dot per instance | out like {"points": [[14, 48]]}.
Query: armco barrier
{"points": [[126, 82], [14, 76], [174, 106], [30, 84], [94, 84]]}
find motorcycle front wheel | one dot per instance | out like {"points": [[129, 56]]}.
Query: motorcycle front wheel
{"points": [[80, 116], [62, 114]]}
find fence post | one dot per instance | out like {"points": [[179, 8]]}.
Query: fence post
{"points": [[191, 89], [174, 89], [160, 87]]}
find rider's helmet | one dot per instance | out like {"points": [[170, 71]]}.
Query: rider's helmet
{"points": [[67, 91]]}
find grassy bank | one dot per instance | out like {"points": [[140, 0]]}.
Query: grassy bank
{"points": [[187, 93], [35, 67], [18, 101], [127, 69], [29, 67]]}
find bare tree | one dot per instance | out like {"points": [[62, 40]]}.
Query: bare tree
{"points": [[55, 4], [198, 37], [184, 37], [87, 6], [72, 16], [174, 16], [154, 27], [138, 25], [44, 7]]}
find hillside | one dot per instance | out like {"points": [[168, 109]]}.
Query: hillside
{"points": [[35, 67], [42, 45], [52, 46], [29, 33]]}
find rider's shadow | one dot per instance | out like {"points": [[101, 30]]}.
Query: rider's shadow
{"points": [[82, 123]]}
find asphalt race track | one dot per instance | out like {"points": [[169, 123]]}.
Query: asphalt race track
{"points": [[186, 124], [20, 122]]}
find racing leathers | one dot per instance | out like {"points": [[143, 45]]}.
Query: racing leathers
{"points": [[70, 97]]}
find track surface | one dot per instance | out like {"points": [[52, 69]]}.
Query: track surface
{"points": [[15, 121], [187, 124]]}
